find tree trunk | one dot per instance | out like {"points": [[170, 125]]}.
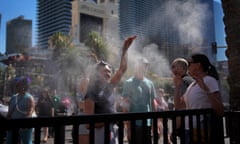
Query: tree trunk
{"points": [[231, 20]]}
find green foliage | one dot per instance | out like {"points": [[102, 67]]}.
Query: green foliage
{"points": [[60, 43], [97, 45], [60, 40]]}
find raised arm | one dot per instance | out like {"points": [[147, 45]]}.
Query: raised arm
{"points": [[178, 100], [123, 62], [213, 96]]}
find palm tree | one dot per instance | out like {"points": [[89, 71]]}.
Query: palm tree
{"points": [[231, 20], [97, 45], [60, 43]]}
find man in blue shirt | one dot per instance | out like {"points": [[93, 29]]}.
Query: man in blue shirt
{"points": [[138, 93]]}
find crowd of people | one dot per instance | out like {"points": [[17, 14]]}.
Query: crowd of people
{"points": [[23, 105], [196, 86]]}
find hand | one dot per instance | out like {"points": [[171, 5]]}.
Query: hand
{"points": [[128, 42], [198, 76], [177, 79], [199, 79]]}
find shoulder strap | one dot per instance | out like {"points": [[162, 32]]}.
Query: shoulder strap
{"points": [[14, 107]]}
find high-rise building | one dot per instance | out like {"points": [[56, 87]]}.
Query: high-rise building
{"points": [[53, 16], [219, 31], [178, 27], [0, 29], [100, 16], [19, 35]]}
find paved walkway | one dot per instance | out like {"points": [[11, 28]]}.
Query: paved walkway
{"points": [[68, 136]]}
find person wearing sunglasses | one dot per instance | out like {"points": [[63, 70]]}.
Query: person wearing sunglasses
{"points": [[98, 90]]}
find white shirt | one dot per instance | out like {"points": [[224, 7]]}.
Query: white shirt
{"points": [[196, 98]]}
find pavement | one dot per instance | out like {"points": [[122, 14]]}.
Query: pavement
{"points": [[68, 137]]}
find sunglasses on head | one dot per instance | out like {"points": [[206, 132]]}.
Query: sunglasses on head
{"points": [[103, 63]]}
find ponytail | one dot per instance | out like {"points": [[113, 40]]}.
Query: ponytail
{"points": [[212, 72]]}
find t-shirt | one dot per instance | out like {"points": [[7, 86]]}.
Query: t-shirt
{"points": [[141, 94], [196, 98], [187, 80], [57, 104], [103, 98]]}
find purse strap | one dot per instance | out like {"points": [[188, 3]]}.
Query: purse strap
{"points": [[14, 107]]}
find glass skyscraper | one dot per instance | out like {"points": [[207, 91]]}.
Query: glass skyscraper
{"points": [[178, 27], [220, 33], [19, 35], [53, 16]]}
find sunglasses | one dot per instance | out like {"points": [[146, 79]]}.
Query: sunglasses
{"points": [[103, 63]]}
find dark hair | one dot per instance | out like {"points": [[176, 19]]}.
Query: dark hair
{"points": [[205, 63], [24, 81], [44, 90]]}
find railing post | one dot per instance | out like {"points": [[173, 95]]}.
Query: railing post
{"points": [[59, 135], [2, 135], [15, 133], [37, 135], [217, 134], [75, 133], [234, 127]]}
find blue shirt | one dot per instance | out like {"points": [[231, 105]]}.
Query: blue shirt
{"points": [[140, 94], [21, 109]]}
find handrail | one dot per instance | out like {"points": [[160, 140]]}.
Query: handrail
{"points": [[169, 117]]}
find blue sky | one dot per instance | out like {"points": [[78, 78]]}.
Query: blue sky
{"points": [[11, 9]]}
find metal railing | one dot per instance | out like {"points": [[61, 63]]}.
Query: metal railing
{"points": [[209, 126]]}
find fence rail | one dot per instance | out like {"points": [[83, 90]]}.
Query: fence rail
{"points": [[209, 126]]}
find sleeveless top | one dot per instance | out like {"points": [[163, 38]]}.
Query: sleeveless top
{"points": [[21, 109], [103, 98], [45, 106]]}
